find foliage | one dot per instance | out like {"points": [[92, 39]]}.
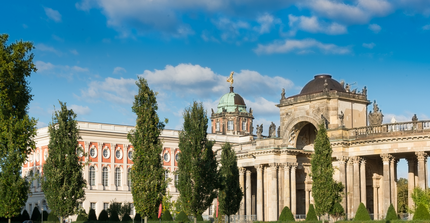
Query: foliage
{"points": [[147, 173], [113, 216], [52, 218], [103, 216], [63, 184], [81, 218], [153, 216], [119, 208], [362, 214], [35, 215], [337, 211], [168, 204], [391, 214], [325, 191], [182, 217], [230, 193], [92, 215], [25, 215], [286, 215], [402, 195], [197, 166], [199, 217], [166, 216], [45, 215], [421, 213], [126, 217], [137, 218], [420, 196], [17, 129], [311, 215]]}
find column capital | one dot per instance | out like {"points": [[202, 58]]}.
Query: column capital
{"points": [[113, 145], [386, 157], [248, 172], [100, 145], [356, 159], [242, 170], [350, 161], [286, 166], [363, 161], [294, 166], [273, 165], [342, 159], [259, 167], [421, 155]]}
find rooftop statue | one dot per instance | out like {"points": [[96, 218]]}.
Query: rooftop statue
{"points": [[230, 79], [376, 117]]}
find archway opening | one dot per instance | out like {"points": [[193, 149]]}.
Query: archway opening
{"points": [[306, 138]]}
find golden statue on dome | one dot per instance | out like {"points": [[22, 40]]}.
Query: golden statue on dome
{"points": [[230, 79]]}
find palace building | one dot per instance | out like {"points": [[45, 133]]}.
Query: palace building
{"points": [[274, 169]]}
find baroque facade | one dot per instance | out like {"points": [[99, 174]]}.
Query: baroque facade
{"points": [[274, 169]]}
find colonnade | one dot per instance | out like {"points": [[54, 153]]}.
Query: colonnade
{"points": [[276, 187]]}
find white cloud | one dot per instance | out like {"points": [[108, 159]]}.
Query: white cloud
{"points": [[230, 30], [80, 110], [119, 70], [53, 14], [74, 52], [375, 28], [59, 39], [301, 47], [312, 25], [262, 107], [41, 124], [406, 117], [266, 22], [59, 70], [191, 80], [369, 45], [42, 66], [45, 48], [120, 91], [426, 27]]}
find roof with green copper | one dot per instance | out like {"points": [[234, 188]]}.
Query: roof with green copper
{"points": [[230, 102]]}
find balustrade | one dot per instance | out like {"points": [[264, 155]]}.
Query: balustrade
{"points": [[390, 128]]}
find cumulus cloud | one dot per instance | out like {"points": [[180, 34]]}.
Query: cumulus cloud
{"points": [[375, 28], [41, 124], [80, 110], [59, 70], [119, 70], [230, 29], [312, 25], [266, 22], [45, 48], [53, 14], [262, 106], [369, 45], [300, 47], [120, 91], [189, 79]]}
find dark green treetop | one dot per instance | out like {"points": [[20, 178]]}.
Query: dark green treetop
{"points": [[325, 190], [16, 128], [63, 183], [391, 214], [286, 215], [230, 193], [197, 165], [147, 173], [362, 214], [311, 215], [421, 213]]}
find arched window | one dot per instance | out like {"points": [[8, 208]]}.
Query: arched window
{"points": [[117, 177], [105, 176], [92, 175]]}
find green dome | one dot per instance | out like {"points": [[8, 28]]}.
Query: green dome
{"points": [[230, 102]]}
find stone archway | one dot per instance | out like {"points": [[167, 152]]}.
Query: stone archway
{"points": [[305, 139]]}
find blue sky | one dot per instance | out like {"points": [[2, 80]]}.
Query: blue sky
{"points": [[89, 53]]}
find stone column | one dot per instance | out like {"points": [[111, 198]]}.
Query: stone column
{"points": [[342, 161], [426, 174], [242, 186], [375, 198], [259, 192], [273, 196], [422, 156], [287, 188], [386, 185], [307, 198], [356, 198], [392, 181], [363, 181], [293, 189], [411, 181], [349, 185], [248, 193], [281, 187]]}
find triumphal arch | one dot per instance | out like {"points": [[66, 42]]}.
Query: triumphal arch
{"points": [[275, 169]]}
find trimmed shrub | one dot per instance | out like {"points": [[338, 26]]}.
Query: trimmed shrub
{"points": [[362, 214], [199, 218], [92, 215], [25, 215], [103, 216], [45, 216], [126, 217], [391, 214], [35, 216], [286, 215], [166, 216], [53, 218], [81, 217], [311, 215], [137, 218], [421, 213], [182, 217], [337, 211], [113, 216]]}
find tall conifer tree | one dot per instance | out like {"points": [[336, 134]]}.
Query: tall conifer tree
{"points": [[325, 191], [147, 173], [16, 128], [63, 183], [197, 166], [230, 193]]}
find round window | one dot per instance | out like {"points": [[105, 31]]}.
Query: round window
{"points": [[166, 157], [93, 152], [177, 156], [130, 155], [118, 154], [106, 153]]}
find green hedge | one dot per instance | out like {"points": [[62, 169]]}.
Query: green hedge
{"points": [[370, 221], [412, 221], [286, 215]]}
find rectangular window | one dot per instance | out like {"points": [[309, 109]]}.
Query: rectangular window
{"points": [[217, 127], [243, 126], [105, 206], [230, 125], [93, 205]]}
